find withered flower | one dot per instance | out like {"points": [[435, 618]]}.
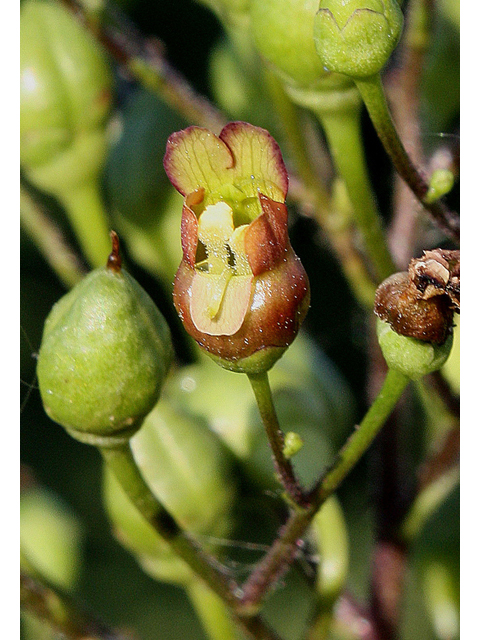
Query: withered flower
{"points": [[420, 303], [415, 313], [240, 290]]}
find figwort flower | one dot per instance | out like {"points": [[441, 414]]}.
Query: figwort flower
{"points": [[240, 290]]}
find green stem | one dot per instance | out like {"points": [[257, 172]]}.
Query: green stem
{"points": [[211, 611], [283, 466], [392, 388], [285, 547], [122, 463], [49, 241], [342, 129], [288, 113], [371, 90], [336, 221], [89, 220]]}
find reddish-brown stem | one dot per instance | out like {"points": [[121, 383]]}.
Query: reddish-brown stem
{"points": [[403, 91]]}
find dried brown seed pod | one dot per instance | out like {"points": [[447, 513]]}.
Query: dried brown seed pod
{"points": [[420, 303]]}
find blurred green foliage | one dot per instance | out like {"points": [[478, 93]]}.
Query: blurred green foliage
{"points": [[319, 385]]}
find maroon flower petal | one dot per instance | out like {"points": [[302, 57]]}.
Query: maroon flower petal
{"points": [[257, 155], [189, 226], [195, 158]]}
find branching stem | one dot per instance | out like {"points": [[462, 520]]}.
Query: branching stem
{"points": [[217, 577], [371, 90], [285, 548]]}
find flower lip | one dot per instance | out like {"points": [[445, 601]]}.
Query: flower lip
{"points": [[265, 239], [238, 163]]}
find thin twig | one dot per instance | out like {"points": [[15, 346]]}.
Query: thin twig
{"points": [[285, 548], [283, 465], [144, 60], [50, 241], [373, 95], [403, 91]]}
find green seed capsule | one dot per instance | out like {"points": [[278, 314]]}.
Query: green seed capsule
{"points": [[412, 357], [283, 34], [104, 355]]}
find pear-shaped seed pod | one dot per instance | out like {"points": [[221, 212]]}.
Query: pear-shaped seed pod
{"points": [[104, 355]]}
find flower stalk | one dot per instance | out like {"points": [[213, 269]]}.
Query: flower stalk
{"points": [[372, 93], [122, 463], [285, 548], [276, 438]]}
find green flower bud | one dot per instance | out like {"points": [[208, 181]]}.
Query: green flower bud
{"points": [[283, 33], [187, 469], [293, 444], [412, 357], [357, 37], [441, 182], [104, 355], [65, 98]]}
